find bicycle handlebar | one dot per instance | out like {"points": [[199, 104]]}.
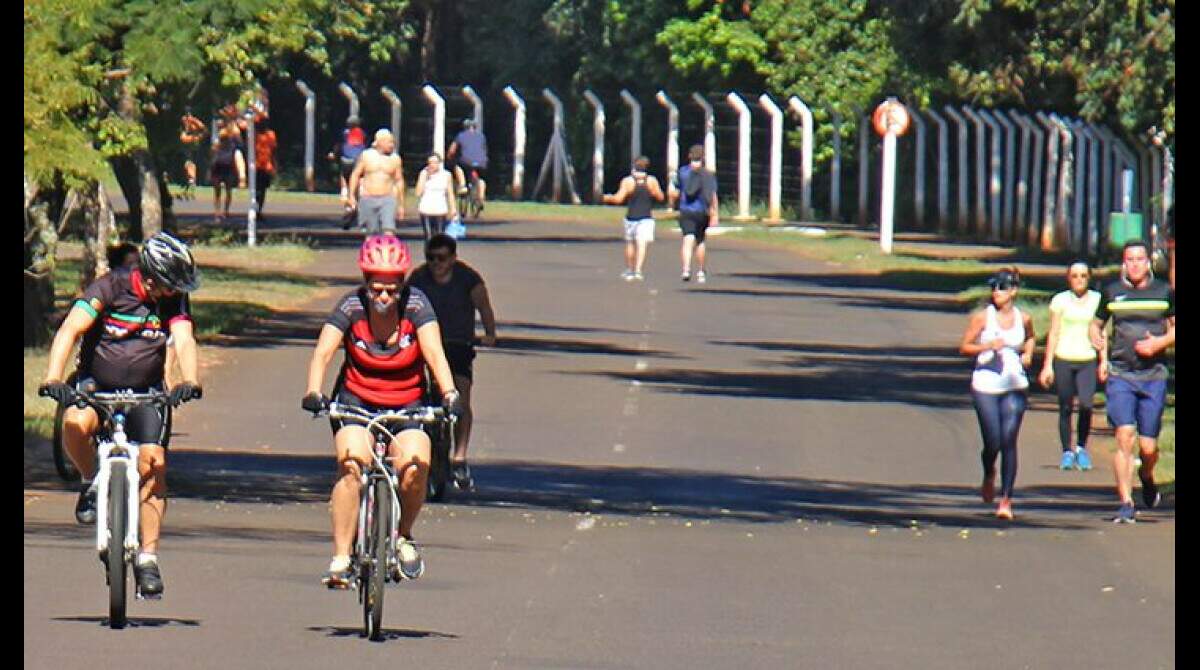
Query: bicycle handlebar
{"points": [[424, 415], [103, 401]]}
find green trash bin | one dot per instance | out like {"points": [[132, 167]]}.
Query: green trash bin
{"points": [[1124, 227]]}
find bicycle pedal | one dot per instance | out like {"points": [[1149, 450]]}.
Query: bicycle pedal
{"points": [[143, 596]]}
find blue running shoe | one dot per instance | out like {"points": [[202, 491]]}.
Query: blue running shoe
{"points": [[1082, 460], [1126, 514], [1068, 461]]}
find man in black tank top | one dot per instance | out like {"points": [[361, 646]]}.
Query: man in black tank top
{"points": [[639, 190]]}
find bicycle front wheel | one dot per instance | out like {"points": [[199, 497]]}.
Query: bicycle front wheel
{"points": [[380, 534], [118, 497]]}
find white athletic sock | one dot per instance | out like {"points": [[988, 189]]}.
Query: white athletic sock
{"points": [[145, 559]]}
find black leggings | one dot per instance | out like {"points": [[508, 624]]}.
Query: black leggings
{"points": [[1000, 421], [434, 224], [1074, 380]]}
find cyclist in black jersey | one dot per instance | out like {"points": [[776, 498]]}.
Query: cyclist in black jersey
{"points": [[124, 318]]}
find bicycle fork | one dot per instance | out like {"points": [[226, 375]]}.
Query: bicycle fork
{"points": [[128, 455]]}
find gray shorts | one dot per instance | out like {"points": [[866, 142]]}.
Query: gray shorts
{"points": [[377, 212]]}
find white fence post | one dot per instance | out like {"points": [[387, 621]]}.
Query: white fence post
{"points": [[394, 101], [743, 111], [806, 155], [439, 118], [995, 188], [710, 132], [961, 124], [943, 178], [672, 139], [918, 168], [350, 96], [775, 188], [476, 106], [635, 128], [518, 141], [981, 229], [251, 182], [310, 134]]}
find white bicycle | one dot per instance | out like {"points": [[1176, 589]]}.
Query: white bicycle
{"points": [[118, 491]]}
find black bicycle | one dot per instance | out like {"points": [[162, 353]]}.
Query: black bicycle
{"points": [[375, 561], [471, 203]]}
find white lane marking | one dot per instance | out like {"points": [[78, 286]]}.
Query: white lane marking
{"points": [[640, 365]]}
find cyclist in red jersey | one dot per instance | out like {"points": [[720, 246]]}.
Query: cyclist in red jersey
{"points": [[386, 349]]}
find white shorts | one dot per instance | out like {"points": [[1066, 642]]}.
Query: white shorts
{"points": [[641, 230]]}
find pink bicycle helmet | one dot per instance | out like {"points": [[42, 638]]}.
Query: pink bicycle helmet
{"points": [[384, 255]]}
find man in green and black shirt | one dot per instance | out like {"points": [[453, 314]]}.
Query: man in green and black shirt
{"points": [[1142, 310], [124, 319]]}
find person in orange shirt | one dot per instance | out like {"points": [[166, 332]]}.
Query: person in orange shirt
{"points": [[264, 159]]}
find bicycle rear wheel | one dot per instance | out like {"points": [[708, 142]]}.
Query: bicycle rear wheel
{"points": [[118, 493], [439, 464], [377, 558]]}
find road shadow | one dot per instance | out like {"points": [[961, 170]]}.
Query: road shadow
{"points": [[907, 303], [527, 325], [930, 376], [133, 622], [631, 491], [387, 633], [569, 346]]}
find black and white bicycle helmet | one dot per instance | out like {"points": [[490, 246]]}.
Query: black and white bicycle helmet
{"points": [[168, 261]]}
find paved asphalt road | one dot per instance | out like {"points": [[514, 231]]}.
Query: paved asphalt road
{"points": [[776, 469]]}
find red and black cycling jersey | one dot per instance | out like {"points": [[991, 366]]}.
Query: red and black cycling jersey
{"points": [[126, 347], [381, 375]]}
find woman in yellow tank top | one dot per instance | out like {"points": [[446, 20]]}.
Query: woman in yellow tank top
{"points": [[1072, 364]]}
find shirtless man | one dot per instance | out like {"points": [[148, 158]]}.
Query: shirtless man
{"points": [[382, 180]]}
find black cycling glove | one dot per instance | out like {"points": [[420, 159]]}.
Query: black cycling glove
{"points": [[315, 403], [453, 404], [184, 392], [60, 391]]}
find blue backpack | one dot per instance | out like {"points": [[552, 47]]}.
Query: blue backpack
{"points": [[692, 195]]}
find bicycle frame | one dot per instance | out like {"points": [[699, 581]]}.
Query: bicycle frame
{"points": [[377, 425], [111, 448]]}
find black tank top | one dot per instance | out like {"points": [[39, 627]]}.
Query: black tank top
{"points": [[639, 202]]}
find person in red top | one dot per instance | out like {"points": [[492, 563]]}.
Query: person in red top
{"points": [[386, 349], [264, 159]]}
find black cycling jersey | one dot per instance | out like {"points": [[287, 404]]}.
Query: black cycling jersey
{"points": [[126, 347]]}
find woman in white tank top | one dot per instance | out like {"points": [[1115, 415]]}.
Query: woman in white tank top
{"points": [[436, 204], [1001, 339]]}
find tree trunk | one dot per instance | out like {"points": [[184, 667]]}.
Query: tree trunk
{"points": [[429, 43], [127, 178], [40, 242], [96, 228], [150, 200], [152, 213]]}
